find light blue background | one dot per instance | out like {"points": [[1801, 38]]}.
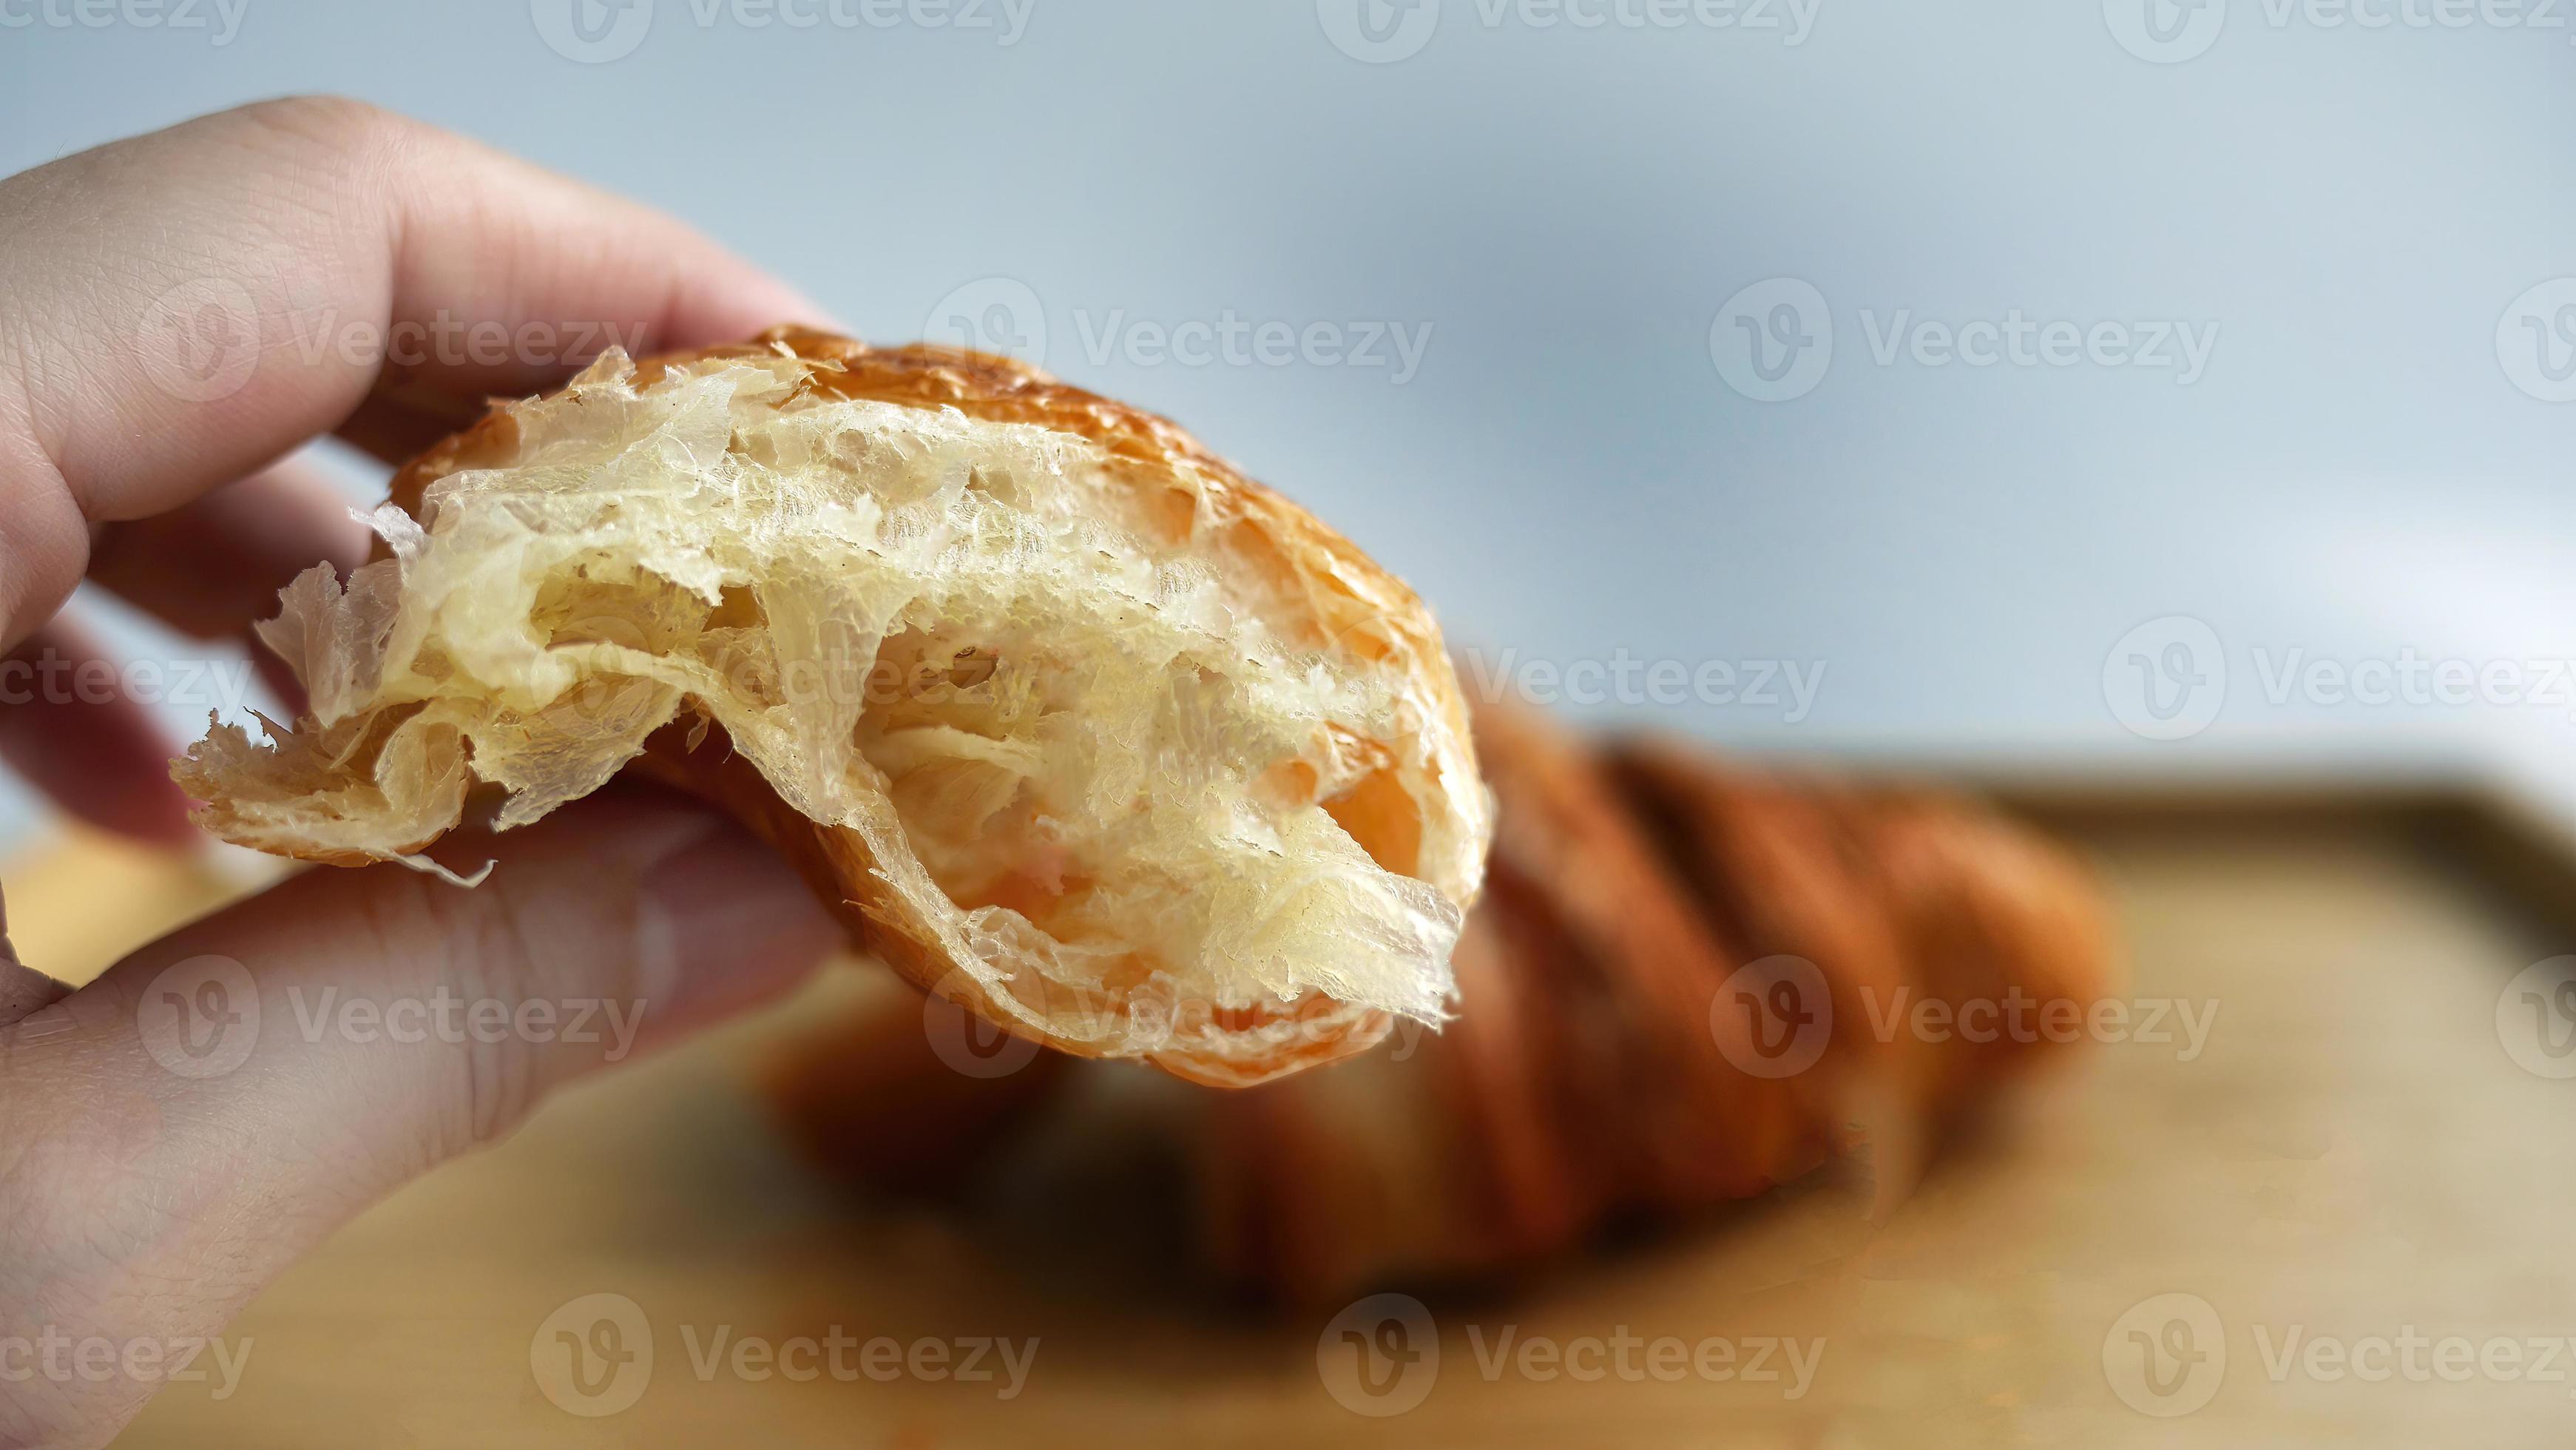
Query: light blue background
{"points": [[1568, 475]]}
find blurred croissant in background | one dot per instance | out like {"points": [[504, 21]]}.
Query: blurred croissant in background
{"points": [[1687, 982]]}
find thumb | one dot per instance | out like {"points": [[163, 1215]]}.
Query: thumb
{"points": [[216, 1103]]}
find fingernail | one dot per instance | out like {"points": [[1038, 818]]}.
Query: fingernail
{"points": [[724, 922]]}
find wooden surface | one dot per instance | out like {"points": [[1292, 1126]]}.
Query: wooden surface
{"points": [[2354, 1152]]}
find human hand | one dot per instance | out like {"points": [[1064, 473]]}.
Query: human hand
{"points": [[177, 313]]}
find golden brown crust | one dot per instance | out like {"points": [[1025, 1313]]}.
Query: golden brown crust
{"points": [[1002, 390], [1639, 953], [998, 389]]}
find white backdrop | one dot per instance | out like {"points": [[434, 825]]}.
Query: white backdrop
{"points": [[2173, 349]]}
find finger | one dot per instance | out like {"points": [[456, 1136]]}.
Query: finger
{"points": [[251, 1081], [214, 565], [23, 989], [70, 726], [180, 308], [876, 1095], [398, 427]]}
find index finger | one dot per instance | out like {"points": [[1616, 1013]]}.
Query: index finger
{"points": [[180, 308]]}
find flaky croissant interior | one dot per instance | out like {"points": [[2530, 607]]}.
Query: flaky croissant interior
{"points": [[1117, 746]]}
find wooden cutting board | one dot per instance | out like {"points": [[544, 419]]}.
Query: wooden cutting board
{"points": [[2354, 1155]]}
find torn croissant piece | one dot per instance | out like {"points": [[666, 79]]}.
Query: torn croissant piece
{"points": [[1624, 1047], [1071, 721]]}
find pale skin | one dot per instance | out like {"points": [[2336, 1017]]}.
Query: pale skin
{"points": [[139, 1204]]}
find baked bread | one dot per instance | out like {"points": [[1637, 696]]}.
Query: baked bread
{"points": [[1656, 919], [1070, 720]]}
